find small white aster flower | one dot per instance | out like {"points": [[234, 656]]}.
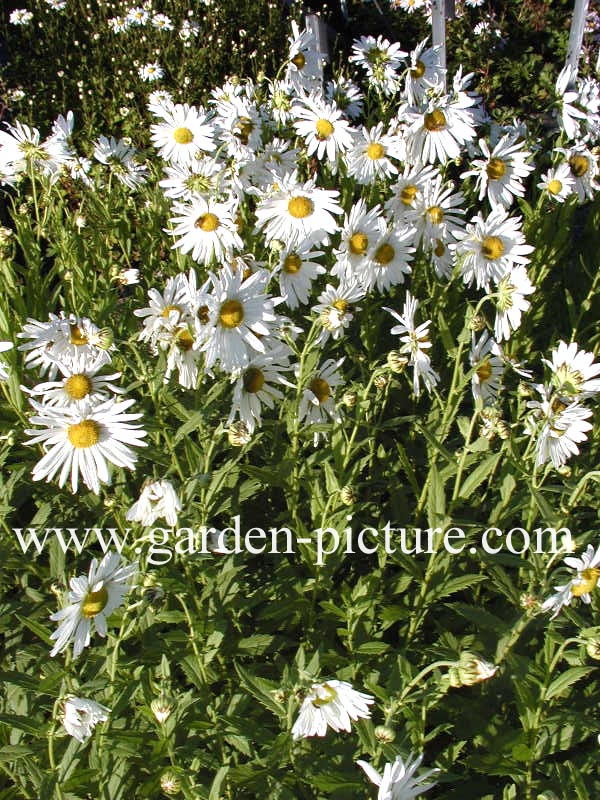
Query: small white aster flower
{"points": [[162, 22], [398, 780], [415, 339], [581, 585], [157, 500], [91, 600], [485, 358], [334, 704], [20, 16], [151, 72], [80, 716]]}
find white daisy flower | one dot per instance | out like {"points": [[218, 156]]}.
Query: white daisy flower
{"points": [[361, 227], [500, 174], [81, 383], [491, 246], [183, 356], [317, 404], [297, 213], [408, 189], [119, 157], [189, 30], [241, 315], [138, 16], [381, 60], [206, 228], [167, 311], [322, 126], [297, 270], [410, 5], [255, 387], [584, 171], [509, 299], [559, 427], [151, 72], [570, 117], [398, 780], [64, 340], [334, 704], [162, 22], [85, 439], [183, 134], [157, 500], [268, 167], [80, 716], [423, 73], [415, 340], [574, 374], [335, 309], [440, 130], [558, 182], [20, 16], [281, 96], [4, 368], [581, 585], [20, 145], [203, 176], [92, 599], [388, 261], [304, 66], [368, 160], [346, 95], [437, 213], [119, 24], [485, 358]]}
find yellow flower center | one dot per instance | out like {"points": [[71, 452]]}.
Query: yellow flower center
{"points": [[495, 169], [492, 247], [84, 434], [555, 186], [77, 336], [320, 388], [326, 695], [300, 207], [292, 264], [435, 121], [94, 602], [183, 135], [408, 194], [78, 386], [440, 248], [168, 309], [384, 254], [579, 165], [484, 371], [207, 222], [418, 71], [358, 244], [588, 580], [231, 314], [436, 214], [340, 305], [184, 340], [324, 128], [245, 127], [253, 380], [299, 60], [375, 151]]}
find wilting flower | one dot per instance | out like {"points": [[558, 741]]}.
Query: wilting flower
{"points": [[331, 704], [469, 670], [80, 717], [398, 780], [157, 499]]}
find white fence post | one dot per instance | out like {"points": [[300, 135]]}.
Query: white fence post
{"points": [[438, 26], [576, 37]]}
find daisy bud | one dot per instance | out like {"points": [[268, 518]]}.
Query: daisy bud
{"points": [[469, 670], [348, 495], [380, 381], [5, 234], [548, 796], [238, 434], [502, 429], [104, 339], [528, 602], [349, 399], [384, 734], [279, 696], [277, 245], [524, 390], [170, 783], [162, 707], [396, 362], [477, 322], [564, 470]]}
